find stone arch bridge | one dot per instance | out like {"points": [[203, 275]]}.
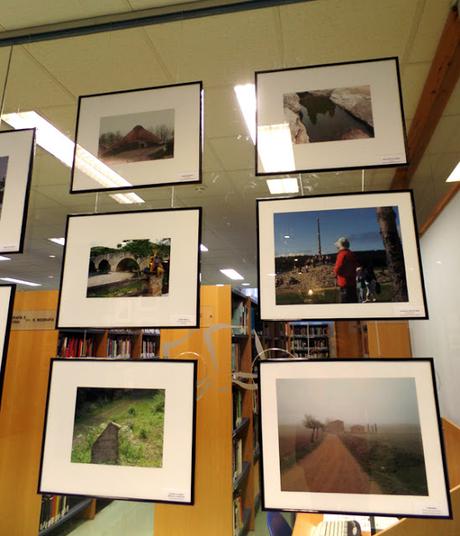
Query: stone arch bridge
{"points": [[118, 262]]}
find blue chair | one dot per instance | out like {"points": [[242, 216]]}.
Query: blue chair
{"points": [[277, 525]]}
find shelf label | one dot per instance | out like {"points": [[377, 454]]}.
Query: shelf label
{"points": [[34, 320]]}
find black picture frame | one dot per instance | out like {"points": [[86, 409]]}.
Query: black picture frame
{"points": [[410, 310], [182, 321], [427, 378], [303, 162], [6, 329], [176, 410], [14, 206], [161, 175]]}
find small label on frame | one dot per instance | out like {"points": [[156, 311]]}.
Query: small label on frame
{"points": [[402, 310], [182, 320], [188, 176], [176, 496], [392, 158]]}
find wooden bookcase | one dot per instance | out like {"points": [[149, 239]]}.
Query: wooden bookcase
{"points": [[243, 446]]}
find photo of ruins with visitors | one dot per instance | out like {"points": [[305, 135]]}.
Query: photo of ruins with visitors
{"points": [[350, 255]]}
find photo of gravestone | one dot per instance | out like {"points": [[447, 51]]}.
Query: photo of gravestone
{"points": [[119, 427]]}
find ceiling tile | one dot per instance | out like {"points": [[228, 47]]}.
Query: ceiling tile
{"points": [[105, 62], [24, 13], [334, 31], [429, 30]]}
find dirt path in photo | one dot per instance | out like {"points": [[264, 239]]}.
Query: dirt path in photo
{"points": [[330, 468]]}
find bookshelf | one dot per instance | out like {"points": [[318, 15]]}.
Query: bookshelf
{"points": [[243, 444], [310, 339], [78, 344]]}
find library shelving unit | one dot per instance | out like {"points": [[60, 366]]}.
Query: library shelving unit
{"points": [[78, 344], [243, 430], [310, 339]]}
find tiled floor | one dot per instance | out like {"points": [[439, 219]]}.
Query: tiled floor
{"points": [[119, 518]]}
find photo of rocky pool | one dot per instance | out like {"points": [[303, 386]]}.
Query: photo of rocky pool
{"points": [[329, 114]]}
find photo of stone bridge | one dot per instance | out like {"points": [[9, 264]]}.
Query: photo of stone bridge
{"points": [[132, 268]]}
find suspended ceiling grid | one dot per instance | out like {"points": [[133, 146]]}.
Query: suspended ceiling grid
{"points": [[222, 51]]}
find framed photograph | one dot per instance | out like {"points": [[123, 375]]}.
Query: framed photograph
{"points": [[330, 117], [121, 429], [351, 436], [16, 158], [340, 257], [138, 138], [131, 269], [7, 293]]}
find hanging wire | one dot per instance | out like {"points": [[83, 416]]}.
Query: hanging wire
{"points": [[362, 180], [172, 197], [5, 82], [96, 201]]}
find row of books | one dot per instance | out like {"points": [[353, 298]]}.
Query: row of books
{"points": [[313, 354], [305, 344], [310, 331], [72, 346], [149, 348], [119, 346], [238, 519], [54, 507], [240, 319]]}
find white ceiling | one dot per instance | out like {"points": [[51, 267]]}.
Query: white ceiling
{"points": [[221, 50]]}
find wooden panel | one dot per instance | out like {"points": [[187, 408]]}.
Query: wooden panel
{"points": [[429, 527], [452, 442], [212, 512], [389, 339], [440, 82], [21, 418], [348, 339]]}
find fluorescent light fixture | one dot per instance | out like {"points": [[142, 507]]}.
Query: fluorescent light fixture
{"points": [[2, 258], [245, 284], [203, 248], [246, 96], [455, 175], [59, 145], [219, 285], [52, 256], [232, 274], [127, 199], [287, 236], [283, 186], [274, 146], [20, 282], [60, 241]]}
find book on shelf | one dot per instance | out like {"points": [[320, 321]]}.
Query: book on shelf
{"points": [[149, 348], [237, 408], [238, 510], [236, 356], [119, 346], [53, 508], [75, 346], [237, 459], [240, 319]]}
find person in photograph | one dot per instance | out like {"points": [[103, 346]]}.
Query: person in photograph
{"points": [[361, 284], [345, 271], [371, 284]]}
